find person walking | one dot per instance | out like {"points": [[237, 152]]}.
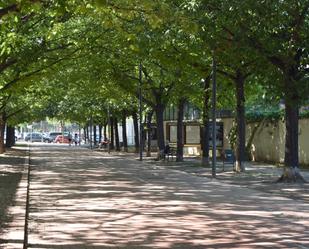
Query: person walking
{"points": [[75, 139]]}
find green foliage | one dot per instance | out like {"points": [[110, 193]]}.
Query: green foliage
{"points": [[268, 115], [304, 113], [70, 59]]}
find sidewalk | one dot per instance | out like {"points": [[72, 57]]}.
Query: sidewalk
{"points": [[258, 176], [13, 192], [85, 199]]}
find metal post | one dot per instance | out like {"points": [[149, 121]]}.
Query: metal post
{"points": [[108, 129], [91, 132], [62, 130], [214, 146], [140, 115], [41, 123]]}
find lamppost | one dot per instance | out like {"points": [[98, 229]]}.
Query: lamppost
{"points": [[140, 114], [214, 129], [109, 129], [41, 124], [91, 132]]}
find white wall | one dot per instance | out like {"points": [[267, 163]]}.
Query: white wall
{"points": [[268, 143]]}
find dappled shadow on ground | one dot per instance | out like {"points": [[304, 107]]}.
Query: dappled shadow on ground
{"points": [[8, 186], [11, 168], [83, 199], [261, 177]]}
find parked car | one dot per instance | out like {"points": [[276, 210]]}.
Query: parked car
{"points": [[52, 136], [34, 137], [62, 139], [45, 138]]}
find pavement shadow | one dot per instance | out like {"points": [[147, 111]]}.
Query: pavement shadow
{"points": [[10, 176], [259, 176], [82, 199]]}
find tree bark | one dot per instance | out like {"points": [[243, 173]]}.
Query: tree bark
{"points": [[116, 134], [136, 132], [95, 135], [291, 138], [85, 134], [205, 129], [149, 119], [10, 136], [2, 128], [112, 142], [105, 130], [180, 115], [291, 171], [159, 110], [124, 131], [100, 133], [241, 123]]}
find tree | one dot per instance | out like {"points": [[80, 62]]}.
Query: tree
{"points": [[33, 39], [278, 33]]}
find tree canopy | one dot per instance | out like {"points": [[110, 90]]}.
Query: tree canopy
{"points": [[70, 59]]}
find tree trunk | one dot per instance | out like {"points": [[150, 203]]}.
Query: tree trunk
{"points": [[291, 137], [10, 136], [95, 135], [105, 131], [241, 123], [2, 128], [124, 131], [100, 133], [181, 107], [116, 134], [85, 134], [136, 132], [149, 119], [159, 109], [112, 143], [291, 160], [205, 129], [79, 134], [90, 135]]}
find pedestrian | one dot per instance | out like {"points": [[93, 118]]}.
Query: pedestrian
{"points": [[75, 139]]}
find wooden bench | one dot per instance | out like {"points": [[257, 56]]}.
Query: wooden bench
{"points": [[170, 154], [167, 153]]}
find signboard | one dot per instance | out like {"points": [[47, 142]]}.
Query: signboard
{"points": [[193, 133], [173, 134]]}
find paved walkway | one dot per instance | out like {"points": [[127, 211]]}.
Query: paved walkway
{"points": [[85, 199], [13, 193]]}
